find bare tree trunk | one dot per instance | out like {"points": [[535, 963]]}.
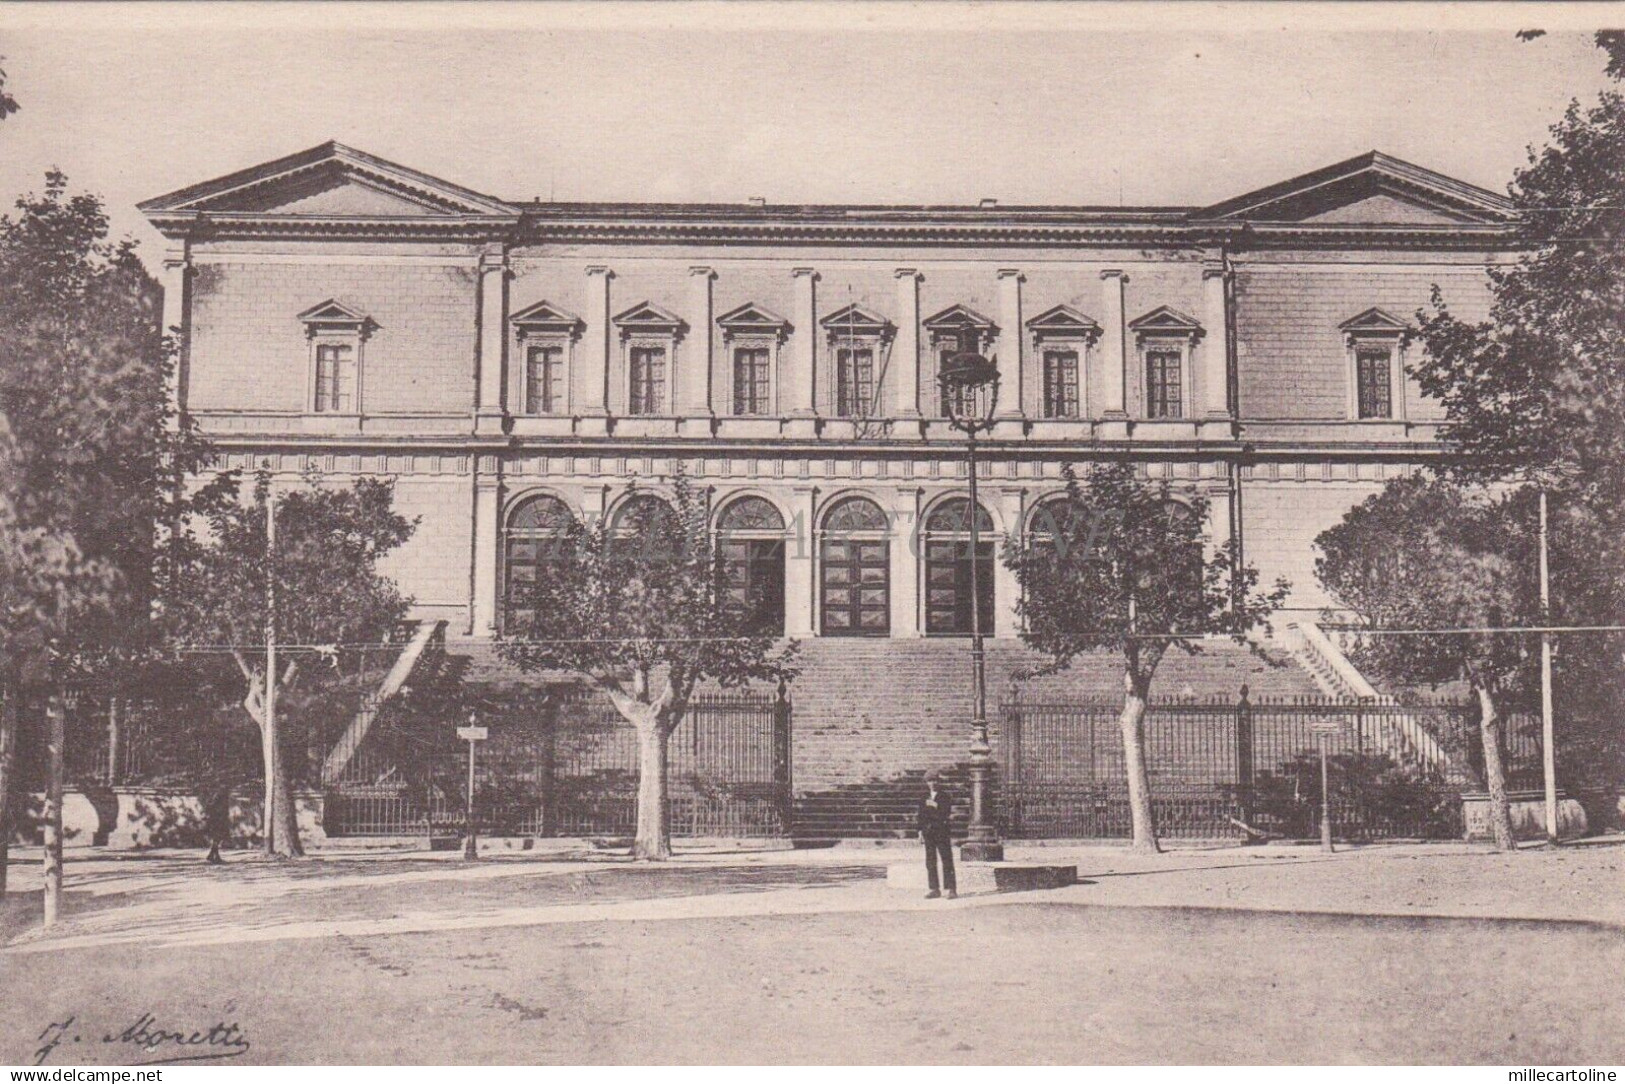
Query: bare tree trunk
{"points": [[1132, 721], [8, 762], [653, 839], [1495, 779]]}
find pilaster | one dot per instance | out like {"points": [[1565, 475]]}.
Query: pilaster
{"points": [[801, 384], [595, 347], [487, 541], [801, 565], [904, 515], [1012, 336], [177, 284], [1113, 346], [1215, 345], [1010, 505], [905, 357], [492, 380], [694, 391]]}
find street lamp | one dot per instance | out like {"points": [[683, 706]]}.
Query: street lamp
{"points": [[970, 391]]}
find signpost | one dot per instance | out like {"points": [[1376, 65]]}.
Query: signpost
{"points": [[473, 735], [1324, 729]]}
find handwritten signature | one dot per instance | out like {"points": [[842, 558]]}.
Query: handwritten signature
{"points": [[223, 1040]]}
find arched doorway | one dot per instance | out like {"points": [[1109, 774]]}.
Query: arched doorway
{"points": [[750, 534], [537, 527], [855, 570], [948, 569], [641, 526]]}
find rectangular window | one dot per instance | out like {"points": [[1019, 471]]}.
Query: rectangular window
{"points": [[947, 347], [750, 381], [544, 380], [335, 379], [1164, 387], [1061, 384], [1373, 368], [854, 382], [648, 380]]}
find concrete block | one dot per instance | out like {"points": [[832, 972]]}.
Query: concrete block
{"points": [[986, 876]]}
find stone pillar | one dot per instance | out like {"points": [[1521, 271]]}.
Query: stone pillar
{"points": [[177, 312], [493, 355], [1012, 338], [1113, 345], [1217, 528], [1010, 506], [800, 388], [1215, 345], [906, 557], [693, 392], [595, 344], [801, 565], [905, 356], [487, 505]]}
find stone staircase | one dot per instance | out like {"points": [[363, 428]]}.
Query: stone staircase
{"points": [[872, 717]]}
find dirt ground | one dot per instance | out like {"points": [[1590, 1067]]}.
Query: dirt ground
{"points": [[1221, 956]]}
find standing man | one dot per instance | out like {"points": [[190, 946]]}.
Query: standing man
{"points": [[934, 811]]}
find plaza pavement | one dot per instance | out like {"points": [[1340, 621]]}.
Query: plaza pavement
{"points": [[172, 898]]}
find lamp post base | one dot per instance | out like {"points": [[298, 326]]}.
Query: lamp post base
{"points": [[981, 850]]}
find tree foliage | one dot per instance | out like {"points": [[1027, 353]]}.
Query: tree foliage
{"points": [[1118, 564], [1425, 553], [638, 606], [332, 601]]}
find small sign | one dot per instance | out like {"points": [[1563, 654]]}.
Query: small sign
{"points": [[1326, 726], [473, 733]]}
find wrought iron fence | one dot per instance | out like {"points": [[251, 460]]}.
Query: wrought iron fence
{"points": [[1223, 767], [572, 769]]}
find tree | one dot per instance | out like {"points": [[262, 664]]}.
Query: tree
{"points": [[638, 607], [8, 104], [1425, 553], [331, 601], [92, 456], [1535, 394], [1117, 564]]}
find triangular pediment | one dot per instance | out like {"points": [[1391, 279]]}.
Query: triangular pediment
{"points": [[751, 316], [1167, 321], [1063, 319], [1371, 190], [857, 319], [332, 312], [1374, 321], [331, 180], [646, 314], [546, 316], [958, 316]]}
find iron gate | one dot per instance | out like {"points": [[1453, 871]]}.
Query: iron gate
{"points": [[572, 769], [1221, 766]]}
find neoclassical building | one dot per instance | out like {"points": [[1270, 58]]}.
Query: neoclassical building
{"points": [[511, 363]]}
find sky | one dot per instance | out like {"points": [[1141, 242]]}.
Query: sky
{"points": [[818, 102]]}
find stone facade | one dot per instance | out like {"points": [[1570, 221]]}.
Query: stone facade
{"points": [[347, 315]]}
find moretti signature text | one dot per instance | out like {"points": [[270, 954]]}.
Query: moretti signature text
{"points": [[153, 1043]]}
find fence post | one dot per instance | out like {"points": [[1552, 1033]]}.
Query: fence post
{"points": [[1244, 757], [1012, 762], [782, 778]]}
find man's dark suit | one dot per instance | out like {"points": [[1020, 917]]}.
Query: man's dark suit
{"points": [[933, 823]]}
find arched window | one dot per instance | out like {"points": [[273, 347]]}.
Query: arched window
{"points": [[537, 527], [948, 569], [855, 570], [750, 533]]}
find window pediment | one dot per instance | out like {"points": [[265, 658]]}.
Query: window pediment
{"points": [[1375, 323], [959, 318], [856, 322], [647, 318], [753, 319], [546, 318], [1063, 322], [1165, 320], [333, 315]]}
